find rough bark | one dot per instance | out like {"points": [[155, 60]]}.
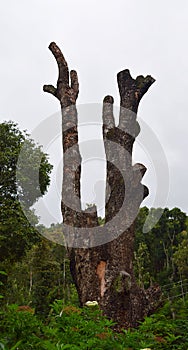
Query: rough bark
{"points": [[124, 301], [105, 273]]}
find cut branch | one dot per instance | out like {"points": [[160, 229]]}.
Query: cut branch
{"points": [[132, 90], [50, 89], [108, 116]]}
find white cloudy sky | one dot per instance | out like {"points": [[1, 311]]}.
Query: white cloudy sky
{"points": [[99, 39]]}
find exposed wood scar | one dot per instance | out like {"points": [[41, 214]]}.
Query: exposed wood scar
{"points": [[101, 269]]}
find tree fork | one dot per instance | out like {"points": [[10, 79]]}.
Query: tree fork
{"points": [[105, 273]]}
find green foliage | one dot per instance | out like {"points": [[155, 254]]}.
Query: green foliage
{"points": [[54, 233], [168, 332], [180, 256], [1, 283], [142, 265], [42, 276], [47, 276], [25, 175], [38, 270], [17, 234], [69, 327], [101, 221], [160, 242], [21, 330], [25, 169]]}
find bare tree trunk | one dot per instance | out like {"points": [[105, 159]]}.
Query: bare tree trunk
{"points": [[104, 272]]}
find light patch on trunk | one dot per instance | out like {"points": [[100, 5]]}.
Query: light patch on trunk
{"points": [[101, 268]]}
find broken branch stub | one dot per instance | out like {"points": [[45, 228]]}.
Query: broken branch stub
{"points": [[132, 90]]}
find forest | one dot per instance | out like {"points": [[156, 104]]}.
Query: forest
{"points": [[40, 307]]}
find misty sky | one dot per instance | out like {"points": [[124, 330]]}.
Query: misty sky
{"points": [[99, 39]]}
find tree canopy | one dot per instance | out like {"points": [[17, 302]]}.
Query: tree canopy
{"points": [[24, 167], [24, 176], [160, 243]]}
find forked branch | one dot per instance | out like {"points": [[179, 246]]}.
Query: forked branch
{"points": [[66, 94], [132, 90]]}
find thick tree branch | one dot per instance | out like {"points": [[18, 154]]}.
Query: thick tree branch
{"points": [[63, 79], [67, 95], [50, 89], [132, 90], [129, 188]]}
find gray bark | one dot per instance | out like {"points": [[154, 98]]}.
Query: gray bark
{"points": [[105, 273]]}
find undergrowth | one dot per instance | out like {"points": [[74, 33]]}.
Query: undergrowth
{"points": [[69, 327]]}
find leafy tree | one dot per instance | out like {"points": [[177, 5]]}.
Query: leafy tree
{"points": [[161, 240], [25, 169], [19, 165], [17, 234], [142, 264], [45, 276], [140, 236], [180, 256]]}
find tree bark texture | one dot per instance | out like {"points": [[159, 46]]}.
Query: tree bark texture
{"points": [[104, 273]]}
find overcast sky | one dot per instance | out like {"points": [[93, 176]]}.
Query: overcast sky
{"points": [[99, 39]]}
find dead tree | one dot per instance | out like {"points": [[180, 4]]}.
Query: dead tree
{"points": [[104, 272]]}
